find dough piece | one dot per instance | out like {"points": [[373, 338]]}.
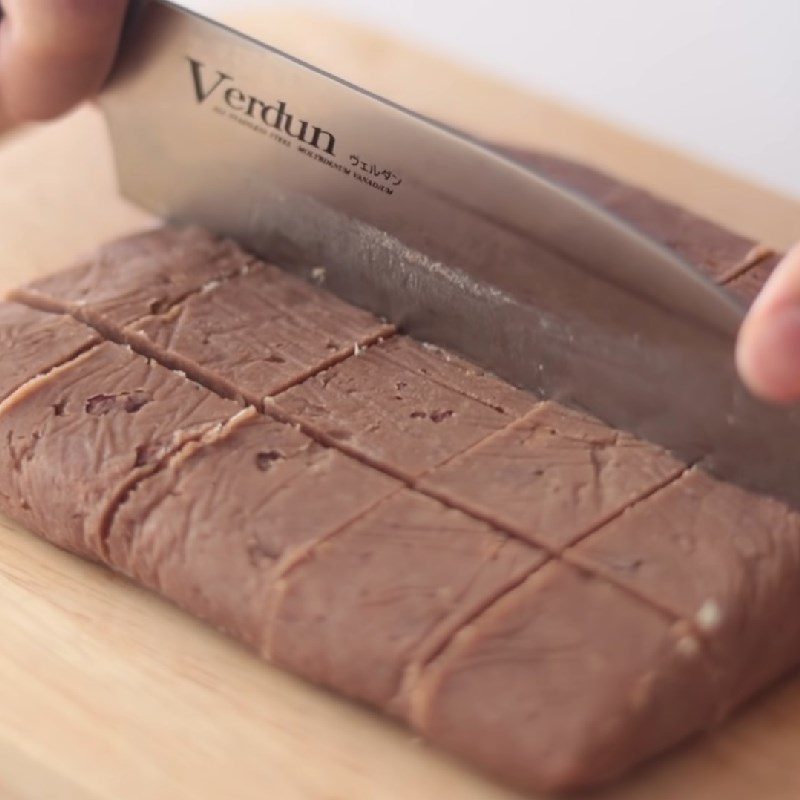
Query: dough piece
{"points": [[212, 529], [74, 438], [368, 606], [564, 682], [139, 275], [553, 476], [722, 557], [383, 407], [33, 342], [257, 333], [747, 285], [711, 248]]}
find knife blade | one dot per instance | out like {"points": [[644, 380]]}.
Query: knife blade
{"points": [[455, 243]]}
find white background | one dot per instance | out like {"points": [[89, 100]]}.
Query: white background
{"points": [[717, 78]]}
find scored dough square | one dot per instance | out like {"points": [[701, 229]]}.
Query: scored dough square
{"points": [[382, 405], [75, 437], [33, 342], [256, 333], [719, 556], [215, 528], [553, 476], [135, 276], [566, 672], [368, 607]]}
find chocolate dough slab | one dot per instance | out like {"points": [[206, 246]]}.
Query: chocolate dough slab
{"points": [[34, 342], [553, 476], [383, 406], [719, 556], [213, 529], [366, 606], [257, 333], [74, 437], [534, 669], [564, 682], [136, 276]]}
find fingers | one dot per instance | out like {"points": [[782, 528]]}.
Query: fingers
{"points": [[768, 350], [55, 53]]}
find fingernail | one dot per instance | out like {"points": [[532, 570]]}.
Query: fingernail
{"points": [[768, 356]]}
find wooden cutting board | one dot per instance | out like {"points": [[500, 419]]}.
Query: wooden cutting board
{"points": [[107, 692]]}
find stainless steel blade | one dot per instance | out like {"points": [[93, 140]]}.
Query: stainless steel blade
{"points": [[455, 243]]}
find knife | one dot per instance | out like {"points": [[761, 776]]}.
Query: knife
{"points": [[450, 240]]}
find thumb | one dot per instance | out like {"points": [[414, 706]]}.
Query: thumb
{"points": [[55, 53], [768, 350]]}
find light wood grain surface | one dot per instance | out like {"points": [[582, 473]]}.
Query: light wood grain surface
{"points": [[107, 693]]}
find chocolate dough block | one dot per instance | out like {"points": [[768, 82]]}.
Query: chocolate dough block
{"points": [[34, 342], [566, 681], [537, 670], [74, 438], [711, 248], [721, 557], [383, 406], [257, 333], [366, 607], [213, 529], [553, 476], [136, 276]]}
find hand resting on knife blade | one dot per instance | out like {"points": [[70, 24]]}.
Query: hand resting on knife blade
{"points": [[55, 53]]}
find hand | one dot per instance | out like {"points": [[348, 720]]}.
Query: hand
{"points": [[54, 53], [768, 351]]}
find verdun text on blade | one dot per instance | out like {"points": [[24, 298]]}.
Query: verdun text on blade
{"points": [[274, 115]]}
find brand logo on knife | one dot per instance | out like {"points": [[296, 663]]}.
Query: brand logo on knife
{"points": [[271, 114]]}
